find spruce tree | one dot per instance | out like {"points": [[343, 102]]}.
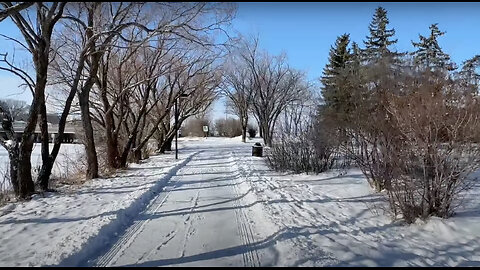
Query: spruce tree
{"points": [[470, 72], [429, 54], [377, 44], [337, 61], [355, 58]]}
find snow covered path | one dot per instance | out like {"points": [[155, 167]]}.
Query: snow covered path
{"points": [[219, 206], [197, 220]]}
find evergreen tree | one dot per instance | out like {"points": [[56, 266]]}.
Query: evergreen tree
{"points": [[429, 54], [337, 61], [355, 58], [470, 72], [376, 46]]}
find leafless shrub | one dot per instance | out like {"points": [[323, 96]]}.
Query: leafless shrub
{"points": [[69, 168], [301, 154], [313, 150], [194, 127], [419, 143], [228, 128], [437, 149]]}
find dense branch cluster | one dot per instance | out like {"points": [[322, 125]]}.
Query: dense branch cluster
{"points": [[118, 68]]}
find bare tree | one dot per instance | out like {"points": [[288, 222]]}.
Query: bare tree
{"points": [[200, 84], [194, 126], [276, 85], [168, 25], [37, 41], [9, 9], [228, 127], [238, 87], [16, 108]]}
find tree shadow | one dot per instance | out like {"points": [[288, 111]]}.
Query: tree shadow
{"points": [[55, 220], [207, 187], [270, 241]]}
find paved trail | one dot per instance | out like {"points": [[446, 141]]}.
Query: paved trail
{"points": [[198, 219]]}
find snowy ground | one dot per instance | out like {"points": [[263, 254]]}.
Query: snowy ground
{"points": [[219, 206], [65, 163]]}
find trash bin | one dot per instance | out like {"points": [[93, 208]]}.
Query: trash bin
{"points": [[257, 150]]}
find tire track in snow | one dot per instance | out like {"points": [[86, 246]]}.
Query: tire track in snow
{"points": [[99, 253], [190, 230], [128, 238], [289, 212], [251, 257]]}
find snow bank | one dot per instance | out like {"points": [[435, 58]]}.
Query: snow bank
{"points": [[333, 219], [51, 230]]}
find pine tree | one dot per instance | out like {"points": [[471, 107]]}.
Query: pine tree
{"points": [[470, 72], [376, 46], [429, 54], [355, 58], [337, 61]]}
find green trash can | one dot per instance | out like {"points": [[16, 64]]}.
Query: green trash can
{"points": [[257, 150]]}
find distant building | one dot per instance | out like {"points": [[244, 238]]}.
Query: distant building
{"points": [[70, 134]]}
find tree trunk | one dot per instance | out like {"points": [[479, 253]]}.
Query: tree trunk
{"points": [[167, 145], [84, 99], [43, 177], [260, 130], [244, 134], [137, 155], [7, 126], [160, 139], [47, 165], [112, 151], [244, 128], [113, 154], [13, 156], [112, 142], [92, 160], [270, 138], [26, 186], [264, 130]]}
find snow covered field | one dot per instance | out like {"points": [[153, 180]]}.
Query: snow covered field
{"points": [[217, 205], [68, 155]]}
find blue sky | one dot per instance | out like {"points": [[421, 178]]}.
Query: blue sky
{"points": [[305, 31]]}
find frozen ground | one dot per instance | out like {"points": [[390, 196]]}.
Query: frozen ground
{"points": [[67, 159], [218, 206]]}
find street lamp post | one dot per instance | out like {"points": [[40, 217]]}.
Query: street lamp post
{"points": [[182, 96]]}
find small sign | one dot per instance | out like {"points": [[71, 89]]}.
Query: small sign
{"points": [[205, 128]]}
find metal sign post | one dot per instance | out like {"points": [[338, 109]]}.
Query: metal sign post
{"points": [[205, 130]]}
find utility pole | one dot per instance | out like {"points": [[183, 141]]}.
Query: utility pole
{"points": [[176, 128], [182, 96]]}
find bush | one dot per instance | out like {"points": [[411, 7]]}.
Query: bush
{"points": [[194, 127], [438, 150], [228, 128], [420, 146], [310, 152]]}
